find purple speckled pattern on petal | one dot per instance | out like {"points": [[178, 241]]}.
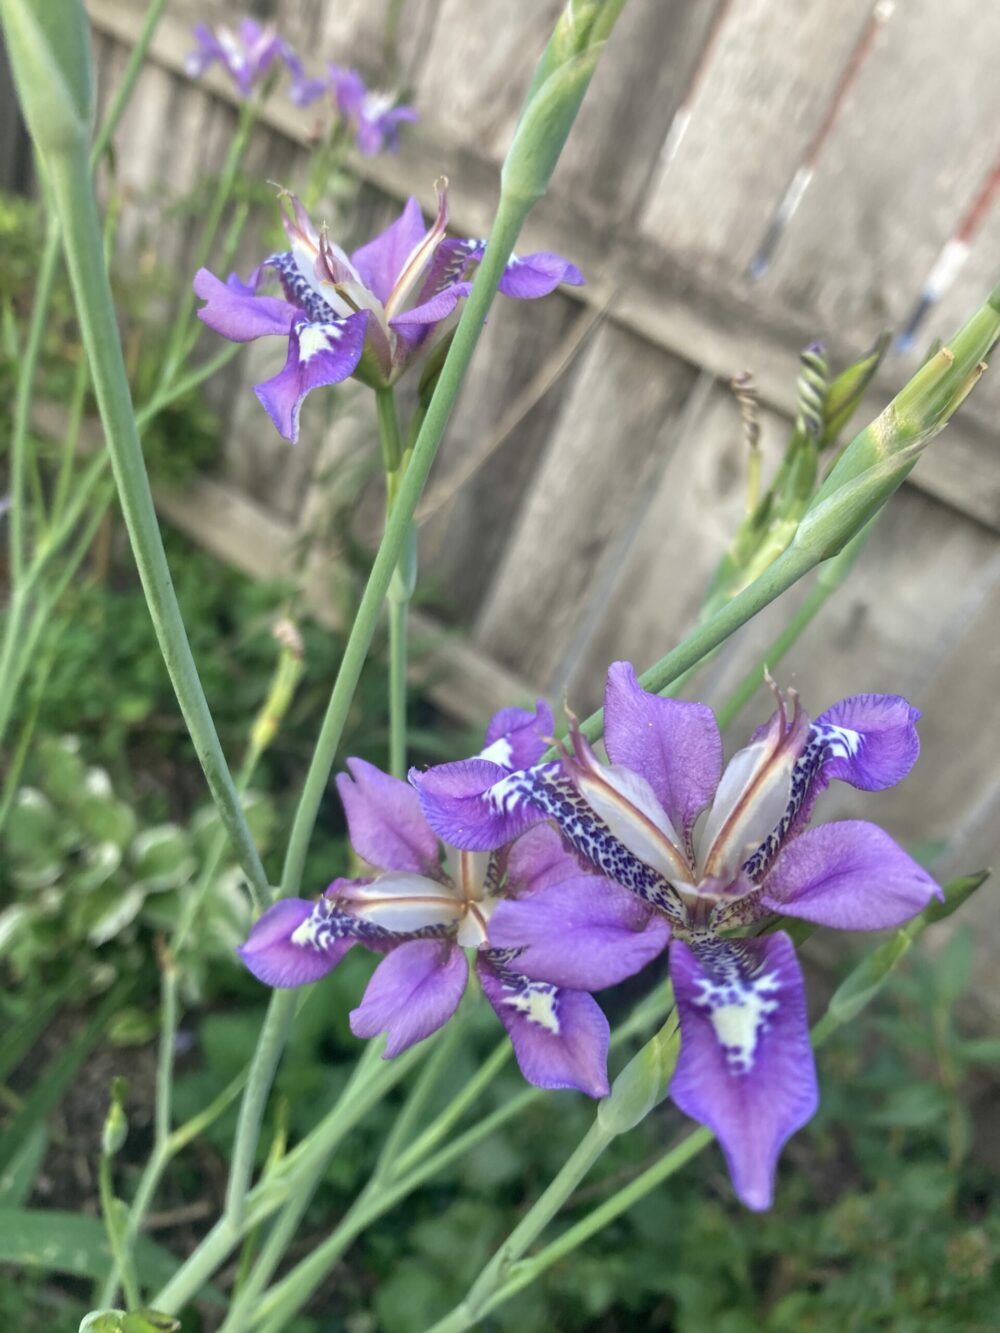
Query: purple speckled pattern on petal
{"points": [[272, 957], [746, 1066], [849, 875], [674, 745], [461, 804], [413, 991], [560, 1037], [582, 932], [386, 824], [318, 354]]}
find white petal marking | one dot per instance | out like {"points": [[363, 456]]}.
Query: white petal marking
{"points": [[738, 1009]]}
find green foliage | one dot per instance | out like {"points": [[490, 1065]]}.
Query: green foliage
{"points": [[85, 872]]}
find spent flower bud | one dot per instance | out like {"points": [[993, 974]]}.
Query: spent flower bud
{"points": [[115, 1130]]}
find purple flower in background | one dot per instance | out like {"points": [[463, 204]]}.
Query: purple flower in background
{"points": [[374, 117], [247, 54], [422, 913], [746, 1066], [370, 314]]}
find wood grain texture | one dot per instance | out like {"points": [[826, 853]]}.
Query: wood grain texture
{"points": [[591, 476], [898, 169], [775, 67], [697, 499]]}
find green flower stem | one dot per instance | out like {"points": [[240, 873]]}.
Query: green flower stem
{"points": [[506, 1274], [74, 197], [391, 441], [384, 1191], [418, 1097], [130, 74], [22, 401], [830, 577], [441, 1126], [111, 1210], [285, 1228], [270, 1044], [867, 473], [180, 333], [295, 1174]]}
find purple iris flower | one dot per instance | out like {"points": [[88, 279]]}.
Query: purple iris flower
{"points": [[247, 54], [425, 904], [370, 314], [714, 850], [374, 116]]}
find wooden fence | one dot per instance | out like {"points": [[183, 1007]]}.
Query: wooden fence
{"points": [[594, 470]]}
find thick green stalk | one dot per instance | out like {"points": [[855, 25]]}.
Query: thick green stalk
{"points": [[111, 1211], [391, 441], [74, 197], [830, 577]]}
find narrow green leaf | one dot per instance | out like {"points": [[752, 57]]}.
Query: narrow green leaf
{"points": [[59, 1242], [17, 1181], [22, 1036]]}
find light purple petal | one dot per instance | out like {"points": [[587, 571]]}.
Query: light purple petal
{"points": [[381, 261], [235, 310], [584, 933], [560, 1037], [386, 825], [746, 1066], [476, 805], [536, 275], [318, 354], [434, 310], [413, 992], [273, 958], [880, 742], [348, 88], [540, 858], [849, 875], [674, 745], [517, 738]]}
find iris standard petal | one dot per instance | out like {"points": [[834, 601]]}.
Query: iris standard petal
{"points": [[318, 354], [530, 276], [872, 740], [381, 261], [385, 822], [673, 744], [560, 1037], [849, 875], [296, 941], [746, 1067], [412, 993], [517, 738], [583, 932]]}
